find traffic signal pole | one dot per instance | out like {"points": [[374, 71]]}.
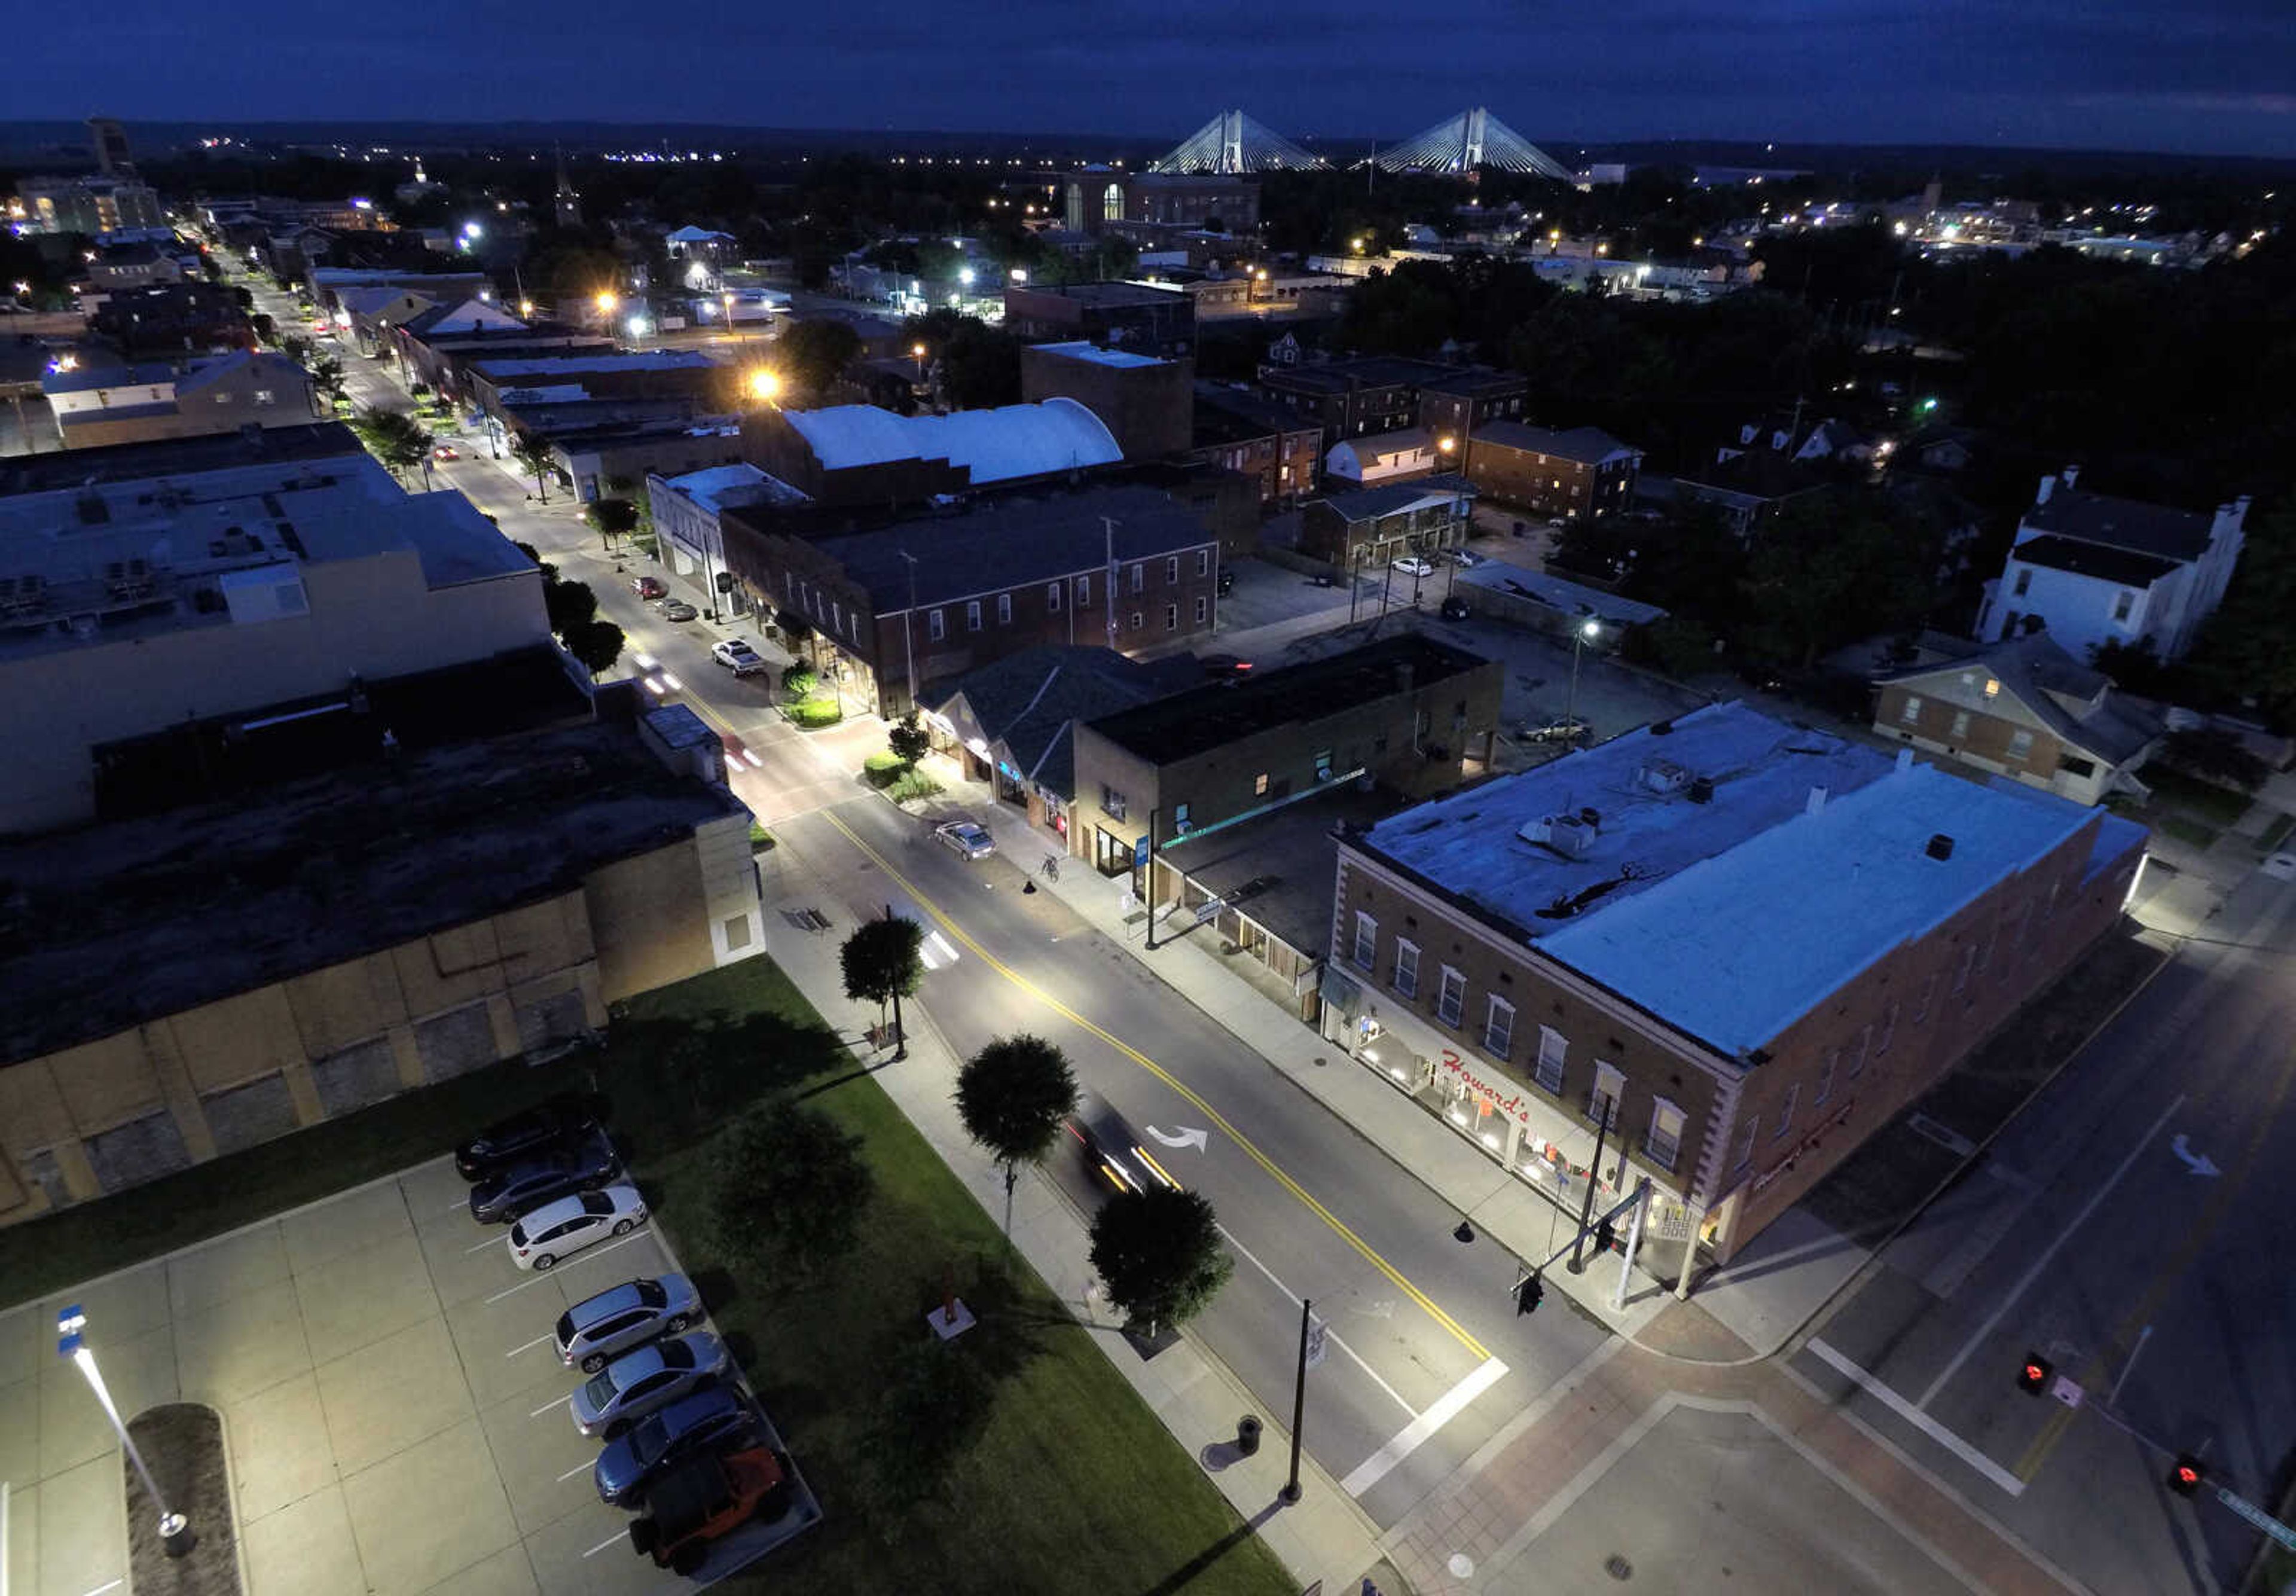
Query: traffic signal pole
{"points": [[1291, 1492]]}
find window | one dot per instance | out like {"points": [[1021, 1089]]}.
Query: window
{"points": [[1406, 967], [1171, 570], [1003, 609], [973, 614], [1084, 591], [1825, 1076], [2021, 744], [1053, 599], [1498, 1028], [1451, 997], [1203, 561], [2123, 602], [1663, 1145], [1366, 941], [1968, 963], [1322, 764], [263, 396], [1929, 990], [221, 398], [1171, 617], [936, 625], [1786, 1113], [1960, 724], [1602, 1102], [1139, 577], [1857, 1054], [2072, 765], [1113, 803], [1745, 1147], [1548, 1071], [1888, 1030], [1179, 817], [1992, 687], [1203, 609], [2024, 585], [1912, 711], [737, 932], [1136, 621], [1259, 785]]}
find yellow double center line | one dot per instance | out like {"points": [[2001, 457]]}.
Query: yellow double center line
{"points": [[1339, 1227]]}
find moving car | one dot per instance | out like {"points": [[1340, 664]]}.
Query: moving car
{"points": [[1413, 565], [649, 586], [965, 839], [711, 1422], [446, 451], [739, 657], [1465, 559], [559, 1229], [677, 609], [527, 1184], [1562, 728], [702, 1500], [1454, 609], [1111, 1149], [624, 1316], [636, 1383], [540, 1129], [738, 753], [1225, 666]]}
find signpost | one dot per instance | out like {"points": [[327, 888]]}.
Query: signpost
{"points": [[1319, 1341]]}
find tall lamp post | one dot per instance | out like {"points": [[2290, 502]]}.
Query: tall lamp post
{"points": [[608, 302], [175, 1530], [1582, 634]]}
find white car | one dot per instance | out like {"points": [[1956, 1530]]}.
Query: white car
{"points": [[965, 839], [1413, 565], [655, 1375], [555, 1230], [738, 657]]}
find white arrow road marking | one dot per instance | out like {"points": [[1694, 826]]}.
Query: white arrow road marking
{"points": [[1198, 1140], [2200, 1164]]}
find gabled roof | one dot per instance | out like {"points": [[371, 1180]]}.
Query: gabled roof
{"points": [[1027, 701], [1404, 441], [996, 445], [2036, 670], [1591, 445], [2126, 523], [2105, 561], [1393, 498]]}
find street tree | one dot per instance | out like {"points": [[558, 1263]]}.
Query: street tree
{"points": [[1159, 1254], [909, 741], [1013, 1095], [533, 451], [790, 1190], [395, 438], [327, 378], [883, 962], [597, 644], [614, 518], [569, 606], [813, 354]]}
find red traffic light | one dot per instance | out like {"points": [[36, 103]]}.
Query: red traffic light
{"points": [[2185, 1477], [2033, 1374]]}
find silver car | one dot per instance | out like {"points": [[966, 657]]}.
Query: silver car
{"points": [[624, 1316], [636, 1383], [965, 839]]}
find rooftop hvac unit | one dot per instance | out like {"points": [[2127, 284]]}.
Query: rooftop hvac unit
{"points": [[1567, 834], [1662, 776], [1701, 789]]}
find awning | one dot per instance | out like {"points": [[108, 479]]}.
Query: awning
{"points": [[1340, 992]]}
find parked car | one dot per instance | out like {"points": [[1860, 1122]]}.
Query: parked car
{"points": [[1413, 565], [677, 609], [1111, 1149], [1456, 609], [529, 1183], [538, 1130], [703, 1500], [559, 1229], [636, 1383], [446, 451], [712, 1422], [1465, 559], [621, 1317], [1225, 666], [739, 657], [649, 588], [1562, 728], [965, 839]]}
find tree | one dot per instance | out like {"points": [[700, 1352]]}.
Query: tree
{"points": [[979, 365], [799, 679], [534, 451], [2214, 754], [932, 1405], [883, 962], [395, 438], [569, 606], [909, 741], [327, 378], [790, 1192], [597, 644], [614, 518], [2246, 652], [1013, 1095], [1157, 1254], [813, 354]]}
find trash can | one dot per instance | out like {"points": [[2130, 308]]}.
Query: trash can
{"points": [[1247, 1435]]}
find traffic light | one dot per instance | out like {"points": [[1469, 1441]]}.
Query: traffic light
{"points": [[1528, 1295], [2185, 1477], [2033, 1374]]}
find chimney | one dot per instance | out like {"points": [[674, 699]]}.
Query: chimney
{"points": [[1816, 803], [1905, 758], [2072, 476], [1940, 846], [2048, 486]]}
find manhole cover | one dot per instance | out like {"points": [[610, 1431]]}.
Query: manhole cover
{"points": [[1462, 1566], [1617, 1567]]}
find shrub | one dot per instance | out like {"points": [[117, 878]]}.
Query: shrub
{"points": [[881, 769], [912, 784], [799, 681], [814, 713]]}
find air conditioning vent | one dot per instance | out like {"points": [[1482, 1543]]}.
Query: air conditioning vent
{"points": [[1940, 846], [1566, 835], [1701, 789], [1661, 776]]}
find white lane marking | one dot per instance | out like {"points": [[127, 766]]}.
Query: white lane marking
{"points": [[536, 1276], [528, 1347], [100, 1590], [1411, 1436], [1922, 1421], [613, 1540], [2033, 1273], [1330, 1335], [483, 1246], [463, 1203], [578, 1468], [551, 1407]]}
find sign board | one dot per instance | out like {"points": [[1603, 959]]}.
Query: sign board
{"points": [[2258, 1516], [1140, 853], [2066, 1390], [1319, 1341]]}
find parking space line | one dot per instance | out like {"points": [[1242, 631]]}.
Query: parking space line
{"points": [[1330, 1335], [528, 1347], [550, 1407], [1920, 1421], [536, 1277], [463, 1203], [613, 1540], [482, 1246], [1411, 1436], [578, 1468], [100, 1590]]}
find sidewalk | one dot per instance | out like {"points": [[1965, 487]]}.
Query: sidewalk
{"points": [[1324, 1537]]}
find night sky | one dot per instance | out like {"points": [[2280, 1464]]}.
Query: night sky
{"points": [[2212, 76]]}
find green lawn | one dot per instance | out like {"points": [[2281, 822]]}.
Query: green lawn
{"points": [[1073, 1487], [2277, 833], [2207, 802], [2188, 831]]}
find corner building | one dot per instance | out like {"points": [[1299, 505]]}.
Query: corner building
{"points": [[1736, 946]]}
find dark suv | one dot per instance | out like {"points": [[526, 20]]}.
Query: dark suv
{"points": [[527, 1184], [715, 1421], [539, 1130]]}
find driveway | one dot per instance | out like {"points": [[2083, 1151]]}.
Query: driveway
{"points": [[395, 1415]]}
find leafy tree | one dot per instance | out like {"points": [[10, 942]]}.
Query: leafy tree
{"points": [[1013, 1095], [534, 451], [790, 1190], [597, 644], [979, 365], [2246, 652], [396, 438], [1159, 1254], [296, 347], [813, 354], [883, 962], [932, 1404], [327, 378], [2214, 754], [570, 605], [613, 517], [1830, 569], [909, 741]]}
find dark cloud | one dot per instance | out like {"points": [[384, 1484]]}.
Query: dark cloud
{"points": [[2203, 75]]}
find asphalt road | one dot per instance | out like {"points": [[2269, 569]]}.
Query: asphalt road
{"points": [[2095, 1234]]}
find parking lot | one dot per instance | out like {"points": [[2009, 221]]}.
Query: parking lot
{"points": [[395, 1412]]}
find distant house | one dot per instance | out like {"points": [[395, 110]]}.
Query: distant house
{"points": [[1385, 457], [1579, 474], [138, 404], [2102, 569], [2023, 707]]}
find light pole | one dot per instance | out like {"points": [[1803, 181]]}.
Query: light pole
{"points": [[608, 302], [1584, 633], [175, 1530], [909, 626]]}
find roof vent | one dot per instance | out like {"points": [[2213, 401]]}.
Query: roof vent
{"points": [[1661, 728], [1661, 776], [1816, 803], [1566, 835], [1940, 846], [1701, 789], [1590, 817]]}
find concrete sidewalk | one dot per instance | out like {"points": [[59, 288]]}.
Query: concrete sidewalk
{"points": [[1324, 1537]]}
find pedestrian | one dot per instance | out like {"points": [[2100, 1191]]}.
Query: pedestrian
{"points": [[1052, 867]]}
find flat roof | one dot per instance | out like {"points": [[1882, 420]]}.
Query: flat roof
{"points": [[993, 445], [1191, 723], [1094, 355], [715, 487], [173, 456], [494, 371], [117, 925], [1278, 868], [1569, 597], [1105, 294]]}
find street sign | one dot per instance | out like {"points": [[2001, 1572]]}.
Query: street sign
{"points": [[1316, 1341], [2258, 1516]]}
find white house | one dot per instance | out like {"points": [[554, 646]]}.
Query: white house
{"points": [[1386, 457], [2102, 569]]}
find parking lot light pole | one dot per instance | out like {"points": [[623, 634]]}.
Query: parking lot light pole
{"points": [[175, 1530], [1584, 633]]}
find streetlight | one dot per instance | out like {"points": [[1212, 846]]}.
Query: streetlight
{"points": [[727, 298], [175, 1530], [525, 307], [917, 353], [765, 385], [1584, 633], [607, 302]]}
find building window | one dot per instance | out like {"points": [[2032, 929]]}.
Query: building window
{"points": [[1139, 577], [1888, 1030], [1203, 561], [1323, 757], [1745, 1147], [1003, 609], [1406, 967], [1960, 724], [1548, 1071], [1968, 963], [1084, 591], [936, 625], [2024, 585], [1366, 941], [1663, 1145], [2123, 602], [2021, 744], [1602, 1102], [1498, 1028], [1451, 997], [1136, 621], [1259, 785], [1171, 617], [1786, 1113], [1053, 599], [973, 614], [1203, 609], [1825, 1076], [2074, 766], [1113, 803], [837, 616], [263, 396], [1912, 711], [1929, 991], [1171, 570], [1857, 1054]]}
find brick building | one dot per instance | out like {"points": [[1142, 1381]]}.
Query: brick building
{"points": [[1733, 946], [1146, 403], [1386, 393], [1364, 529], [219, 393], [861, 455], [1133, 315], [1240, 432], [1577, 474]]}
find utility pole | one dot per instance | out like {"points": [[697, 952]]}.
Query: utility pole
{"points": [[1290, 1494], [1593, 1175], [1634, 1243], [1148, 878]]}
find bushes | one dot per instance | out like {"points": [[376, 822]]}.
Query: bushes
{"points": [[912, 784], [814, 713], [883, 769]]}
